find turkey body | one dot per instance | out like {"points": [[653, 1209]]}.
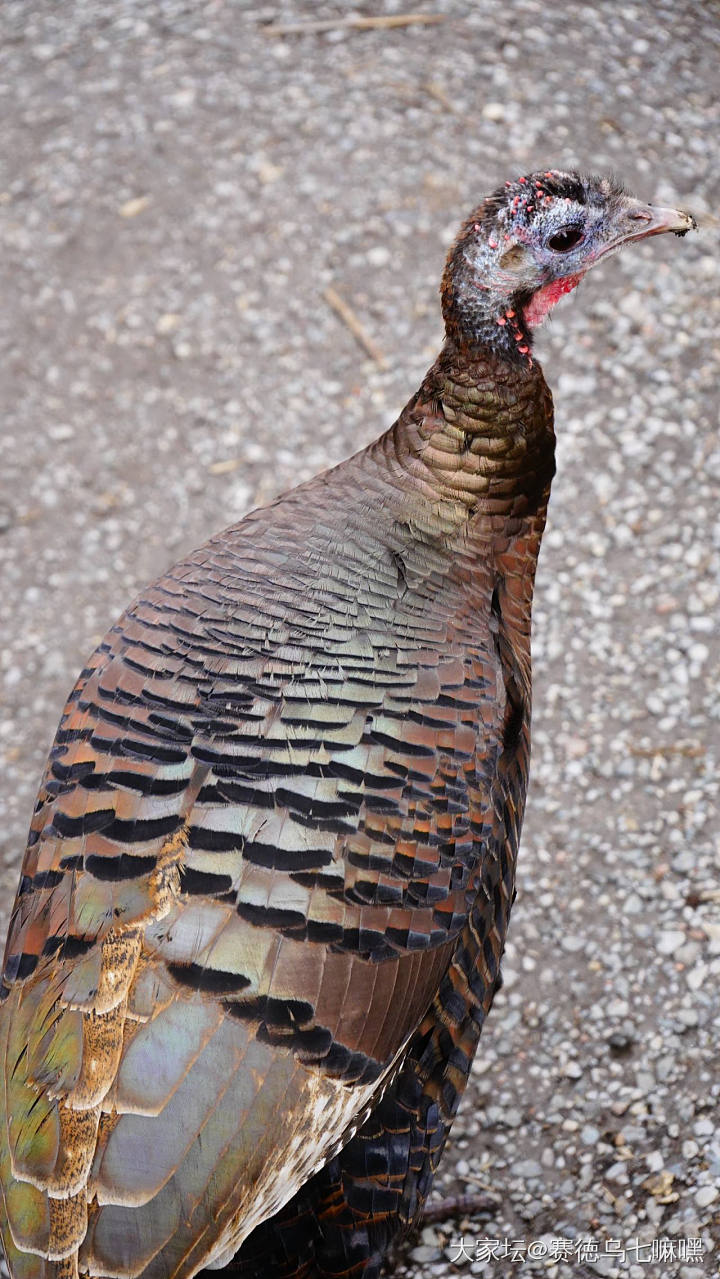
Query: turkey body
{"points": [[272, 859], [269, 873]]}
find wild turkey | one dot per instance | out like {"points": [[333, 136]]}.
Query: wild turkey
{"points": [[269, 874]]}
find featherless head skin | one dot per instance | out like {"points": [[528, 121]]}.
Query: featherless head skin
{"points": [[531, 242]]}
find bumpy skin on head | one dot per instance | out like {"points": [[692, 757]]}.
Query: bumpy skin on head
{"points": [[271, 864], [531, 242]]}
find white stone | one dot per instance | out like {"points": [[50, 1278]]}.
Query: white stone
{"points": [[379, 255], [696, 976], [670, 941]]}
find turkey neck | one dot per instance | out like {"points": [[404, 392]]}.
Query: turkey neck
{"points": [[475, 442], [456, 491], [472, 457]]}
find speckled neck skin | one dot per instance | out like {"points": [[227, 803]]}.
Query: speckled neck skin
{"points": [[481, 316]]}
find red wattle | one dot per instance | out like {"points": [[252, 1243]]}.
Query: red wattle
{"points": [[542, 302]]}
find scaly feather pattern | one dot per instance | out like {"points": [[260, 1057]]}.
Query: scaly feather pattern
{"points": [[271, 864]]}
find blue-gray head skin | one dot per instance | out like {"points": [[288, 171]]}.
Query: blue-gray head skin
{"points": [[529, 243]]}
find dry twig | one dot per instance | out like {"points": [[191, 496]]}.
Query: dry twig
{"points": [[349, 318], [355, 23], [223, 468], [459, 1206], [437, 92]]}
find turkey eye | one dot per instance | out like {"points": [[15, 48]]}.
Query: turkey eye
{"points": [[566, 238]]}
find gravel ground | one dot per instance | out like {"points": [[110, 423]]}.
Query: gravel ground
{"points": [[179, 189]]}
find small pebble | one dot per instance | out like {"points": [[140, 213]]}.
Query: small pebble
{"points": [[670, 941]]}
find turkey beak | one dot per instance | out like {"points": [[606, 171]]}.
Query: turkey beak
{"points": [[638, 221]]}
